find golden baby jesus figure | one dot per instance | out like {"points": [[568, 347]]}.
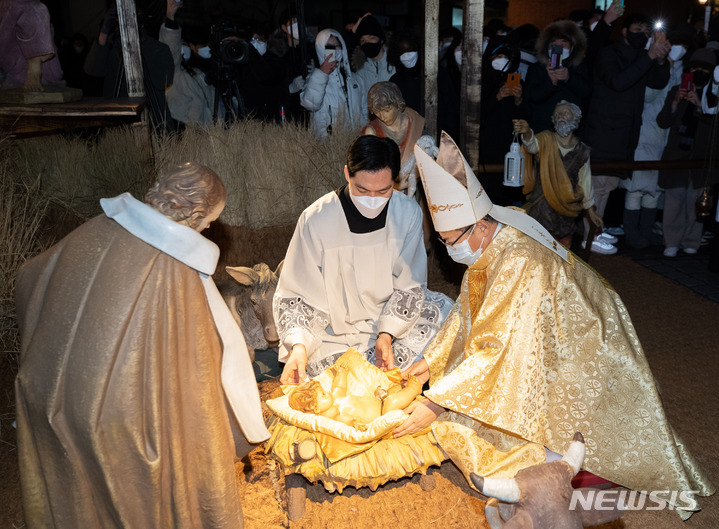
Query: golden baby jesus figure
{"points": [[354, 410]]}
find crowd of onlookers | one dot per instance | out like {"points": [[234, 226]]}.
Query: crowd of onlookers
{"points": [[645, 91]]}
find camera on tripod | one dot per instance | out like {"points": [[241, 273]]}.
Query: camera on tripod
{"points": [[229, 45], [230, 51]]}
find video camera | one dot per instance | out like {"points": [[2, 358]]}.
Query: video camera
{"points": [[229, 44]]}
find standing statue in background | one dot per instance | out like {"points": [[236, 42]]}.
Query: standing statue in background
{"points": [[28, 57], [395, 120]]}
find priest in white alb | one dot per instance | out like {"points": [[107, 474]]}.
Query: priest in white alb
{"points": [[537, 347], [355, 273]]}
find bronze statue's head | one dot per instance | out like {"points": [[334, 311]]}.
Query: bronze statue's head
{"points": [[190, 194]]}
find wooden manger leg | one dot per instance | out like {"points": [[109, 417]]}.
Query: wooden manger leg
{"points": [[296, 487], [427, 482]]}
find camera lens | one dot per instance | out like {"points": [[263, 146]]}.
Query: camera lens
{"points": [[234, 51]]}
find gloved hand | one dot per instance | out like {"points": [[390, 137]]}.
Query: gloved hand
{"points": [[110, 21], [297, 84]]}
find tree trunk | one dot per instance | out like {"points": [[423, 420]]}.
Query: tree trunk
{"points": [[431, 64], [471, 88], [127, 20]]}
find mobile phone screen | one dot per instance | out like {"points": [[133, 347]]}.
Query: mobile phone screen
{"points": [[556, 57], [688, 81]]}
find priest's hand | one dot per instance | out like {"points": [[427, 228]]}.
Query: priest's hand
{"points": [[383, 351], [294, 371], [421, 414], [419, 369]]}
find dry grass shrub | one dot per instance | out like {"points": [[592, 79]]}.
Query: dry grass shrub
{"points": [[272, 172], [76, 172], [22, 206]]}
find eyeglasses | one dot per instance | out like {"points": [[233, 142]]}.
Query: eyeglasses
{"points": [[469, 228]]}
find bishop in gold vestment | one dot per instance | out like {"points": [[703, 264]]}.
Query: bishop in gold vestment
{"points": [[537, 347]]}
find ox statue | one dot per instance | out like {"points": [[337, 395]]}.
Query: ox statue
{"points": [[539, 497], [249, 296]]}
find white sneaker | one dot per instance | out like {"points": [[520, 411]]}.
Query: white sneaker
{"points": [[608, 237], [601, 246], [671, 251], [614, 230], [690, 251]]}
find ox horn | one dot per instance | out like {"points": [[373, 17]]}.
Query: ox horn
{"points": [[575, 454], [505, 490]]}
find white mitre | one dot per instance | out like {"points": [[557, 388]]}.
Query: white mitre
{"points": [[456, 199]]}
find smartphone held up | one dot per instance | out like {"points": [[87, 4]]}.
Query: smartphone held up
{"points": [[555, 57]]}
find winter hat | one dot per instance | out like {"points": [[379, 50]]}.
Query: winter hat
{"points": [[370, 26], [704, 55]]}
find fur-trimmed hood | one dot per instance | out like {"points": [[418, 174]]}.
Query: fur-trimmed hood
{"points": [[565, 28]]}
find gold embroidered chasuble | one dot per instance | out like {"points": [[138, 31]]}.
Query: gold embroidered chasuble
{"points": [[536, 349]]}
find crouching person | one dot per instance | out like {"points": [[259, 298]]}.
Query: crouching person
{"points": [[533, 351], [355, 274], [129, 360]]}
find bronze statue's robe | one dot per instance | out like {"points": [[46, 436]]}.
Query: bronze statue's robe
{"points": [[122, 419], [538, 348]]}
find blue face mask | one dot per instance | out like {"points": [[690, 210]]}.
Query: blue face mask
{"points": [[186, 52], [204, 52]]}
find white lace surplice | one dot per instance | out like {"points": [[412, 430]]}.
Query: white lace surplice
{"points": [[339, 289]]}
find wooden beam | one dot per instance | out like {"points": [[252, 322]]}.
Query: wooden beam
{"points": [[471, 87], [431, 66], [127, 19]]}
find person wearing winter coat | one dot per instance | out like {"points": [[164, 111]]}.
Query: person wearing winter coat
{"points": [[368, 52], [332, 93], [404, 55], [547, 86], [622, 72], [190, 98], [500, 104], [643, 194], [690, 132]]}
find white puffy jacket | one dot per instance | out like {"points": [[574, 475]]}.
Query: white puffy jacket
{"points": [[190, 99], [325, 95], [652, 138]]}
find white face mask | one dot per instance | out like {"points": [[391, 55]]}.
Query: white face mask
{"points": [[260, 46], [337, 56], [500, 64], [677, 52], [409, 59], [204, 52], [458, 56], [462, 253], [186, 52], [369, 207], [295, 31]]}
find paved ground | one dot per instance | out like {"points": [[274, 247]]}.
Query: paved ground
{"points": [[691, 271]]}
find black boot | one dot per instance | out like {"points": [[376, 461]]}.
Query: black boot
{"points": [[646, 224], [631, 229]]}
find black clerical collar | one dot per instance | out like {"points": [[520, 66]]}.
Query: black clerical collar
{"points": [[357, 222]]}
